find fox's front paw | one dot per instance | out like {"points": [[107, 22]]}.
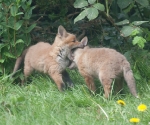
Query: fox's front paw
{"points": [[62, 87]]}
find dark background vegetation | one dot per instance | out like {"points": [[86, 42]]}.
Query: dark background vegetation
{"points": [[26, 22]]}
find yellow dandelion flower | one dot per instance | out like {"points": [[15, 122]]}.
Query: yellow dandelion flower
{"points": [[121, 102], [142, 107], [134, 120]]}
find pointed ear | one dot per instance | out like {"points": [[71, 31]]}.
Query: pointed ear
{"points": [[61, 31], [84, 41]]}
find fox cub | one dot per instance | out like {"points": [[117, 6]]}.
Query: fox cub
{"points": [[51, 59], [105, 64]]}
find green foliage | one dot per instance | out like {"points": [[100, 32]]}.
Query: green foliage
{"points": [[122, 22], [137, 23], [91, 12], [140, 60], [147, 34], [133, 30], [140, 41], [129, 28], [144, 3], [15, 30], [54, 9], [47, 5], [124, 4], [41, 103]]}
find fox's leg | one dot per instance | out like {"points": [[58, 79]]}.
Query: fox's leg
{"points": [[89, 81], [107, 86], [106, 82], [57, 77], [118, 85], [67, 79], [27, 71]]}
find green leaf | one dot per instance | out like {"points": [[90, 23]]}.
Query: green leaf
{"points": [[28, 13], [30, 28], [126, 31], [122, 22], [13, 10], [147, 32], [137, 76], [92, 13], [17, 1], [135, 32], [18, 25], [2, 60], [1, 15], [80, 3], [137, 23], [124, 3], [2, 45], [91, 1], [99, 6], [20, 13], [128, 9], [82, 15], [19, 41], [144, 3], [9, 55], [128, 54], [1, 32], [29, 2], [139, 41], [24, 1], [1, 70]]}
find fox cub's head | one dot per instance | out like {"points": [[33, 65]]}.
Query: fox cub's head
{"points": [[65, 39], [75, 53]]}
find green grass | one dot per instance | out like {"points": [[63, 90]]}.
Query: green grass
{"points": [[40, 103]]}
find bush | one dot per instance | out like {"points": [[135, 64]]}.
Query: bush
{"points": [[15, 29]]}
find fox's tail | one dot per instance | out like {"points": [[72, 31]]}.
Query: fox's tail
{"points": [[129, 78], [19, 60]]}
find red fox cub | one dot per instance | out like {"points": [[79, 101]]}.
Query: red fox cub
{"points": [[51, 59], [105, 64]]}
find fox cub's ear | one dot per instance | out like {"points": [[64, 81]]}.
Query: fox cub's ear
{"points": [[84, 41], [61, 31]]}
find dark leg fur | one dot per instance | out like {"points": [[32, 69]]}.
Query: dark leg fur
{"points": [[67, 79]]}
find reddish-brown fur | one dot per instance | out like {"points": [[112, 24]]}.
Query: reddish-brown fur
{"points": [[51, 59], [105, 64]]}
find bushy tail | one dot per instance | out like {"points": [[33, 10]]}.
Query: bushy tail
{"points": [[129, 78], [19, 60]]}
